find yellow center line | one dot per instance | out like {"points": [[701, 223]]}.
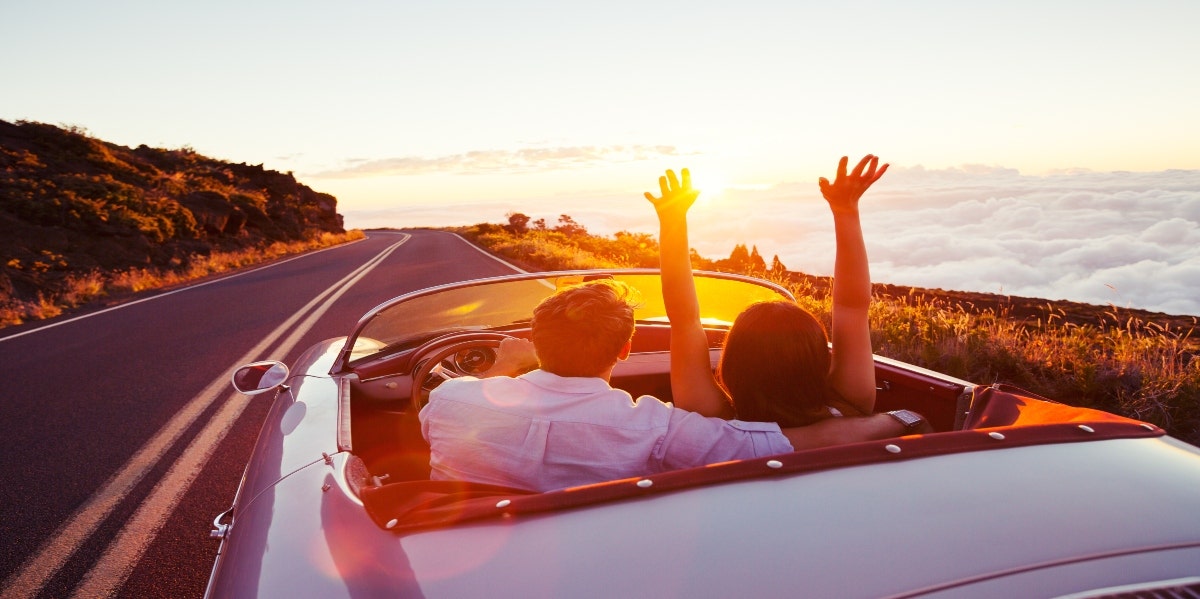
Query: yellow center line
{"points": [[50, 557]]}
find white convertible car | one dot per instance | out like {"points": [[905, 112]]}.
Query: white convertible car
{"points": [[1013, 496]]}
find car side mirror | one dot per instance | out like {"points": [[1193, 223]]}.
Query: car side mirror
{"points": [[260, 377]]}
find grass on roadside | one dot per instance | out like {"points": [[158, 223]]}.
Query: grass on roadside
{"points": [[78, 289]]}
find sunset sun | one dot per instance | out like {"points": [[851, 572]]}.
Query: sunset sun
{"points": [[712, 183]]}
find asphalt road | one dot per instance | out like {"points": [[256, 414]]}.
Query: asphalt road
{"points": [[102, 414]]}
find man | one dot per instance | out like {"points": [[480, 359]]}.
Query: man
{"points": [[563, 425]]}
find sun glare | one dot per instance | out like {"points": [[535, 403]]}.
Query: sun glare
{"points": [[711, 183]]}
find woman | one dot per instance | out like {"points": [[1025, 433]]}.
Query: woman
{"points": [[776, 365]]}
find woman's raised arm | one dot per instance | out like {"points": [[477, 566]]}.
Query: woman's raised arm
{"points": [[852, 373], [693, 386]]}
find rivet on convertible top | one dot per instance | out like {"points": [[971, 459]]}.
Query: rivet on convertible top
{"points": [[392, 523], [503, 503], [997, 436], [774, 464], [645, 483], [1087, 429], [892, 448]]}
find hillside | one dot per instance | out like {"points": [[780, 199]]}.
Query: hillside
{"points": [[73, 206]]}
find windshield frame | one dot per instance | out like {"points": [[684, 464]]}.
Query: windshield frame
{"points": [[345, 355]]}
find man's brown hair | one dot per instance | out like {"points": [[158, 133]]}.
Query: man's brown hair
{"points": [[580, 330]]}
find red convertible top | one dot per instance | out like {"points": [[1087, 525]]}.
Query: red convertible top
{"points": [[1001, 417]]}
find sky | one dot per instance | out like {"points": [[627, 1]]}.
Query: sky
{"points": [[1047, 148]]}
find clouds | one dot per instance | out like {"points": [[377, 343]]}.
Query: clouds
{"points": [[1131, 239], [1128, 239], [500, 161]]}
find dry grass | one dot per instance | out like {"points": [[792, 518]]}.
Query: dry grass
{"points": [[79, 289], [554, 250]]}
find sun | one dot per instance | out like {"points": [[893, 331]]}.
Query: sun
{"points": [[711, 183]]}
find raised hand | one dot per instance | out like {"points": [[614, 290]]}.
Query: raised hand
{"points": [[676, 197], [844, 192], [852, 372], [692, 382]]}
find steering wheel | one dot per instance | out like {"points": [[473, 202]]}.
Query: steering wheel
{"points": [[433, 366]]}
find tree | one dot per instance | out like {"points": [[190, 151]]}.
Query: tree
{"points": [[778, 270], [739, 258], [567, 226], [755, 264], [518, 223]]}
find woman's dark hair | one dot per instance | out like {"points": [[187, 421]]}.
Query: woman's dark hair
{"points": [[775, 365]]}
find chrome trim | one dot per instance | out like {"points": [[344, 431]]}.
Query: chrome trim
{"points": [[344, 441], [220, 531], [1043, 565], [390, 375], [945, 379], [1158, 589]]}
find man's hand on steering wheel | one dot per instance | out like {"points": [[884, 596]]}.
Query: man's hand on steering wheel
{"points": [[514, 356]]}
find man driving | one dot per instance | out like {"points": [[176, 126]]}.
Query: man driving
{"points": [[564, 425]]}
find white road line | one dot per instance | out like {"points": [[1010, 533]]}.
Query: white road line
{"points": [[162, 295], [29, 580], [544, 282], [493, 257], [118, 561]]}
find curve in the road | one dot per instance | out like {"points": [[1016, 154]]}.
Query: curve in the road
{"points": [[83, 396], [116, 562]]}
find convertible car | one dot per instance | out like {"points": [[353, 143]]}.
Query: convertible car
{"points": [[1012, 496]]}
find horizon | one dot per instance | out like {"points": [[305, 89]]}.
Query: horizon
{"points": [[1137, 244], [1074, 139]]}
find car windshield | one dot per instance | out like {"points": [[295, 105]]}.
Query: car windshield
{"points": [[508, 302]]}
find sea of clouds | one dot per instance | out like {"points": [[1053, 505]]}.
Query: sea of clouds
{"points": [[1129, 239]]}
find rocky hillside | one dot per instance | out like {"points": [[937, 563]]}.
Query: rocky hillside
{"points": [[70, 203]]}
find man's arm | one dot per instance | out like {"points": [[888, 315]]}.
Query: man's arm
{"points": [[840, 431]]}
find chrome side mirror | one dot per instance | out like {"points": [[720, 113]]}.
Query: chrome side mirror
{"points": [[260, 377]]}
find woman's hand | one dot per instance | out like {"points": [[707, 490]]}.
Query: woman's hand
{"points": [[844, 192], [692, 382], [676, 197], [852, 372]]}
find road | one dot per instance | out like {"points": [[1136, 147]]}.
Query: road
{"points": [[121, 436]]}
